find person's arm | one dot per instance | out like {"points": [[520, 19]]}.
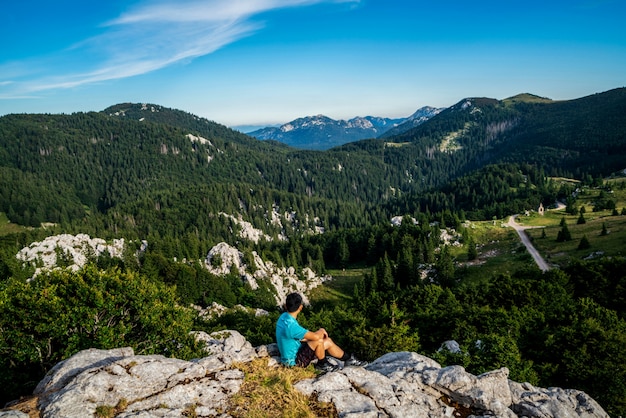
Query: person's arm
{"points": [[320, 334]]}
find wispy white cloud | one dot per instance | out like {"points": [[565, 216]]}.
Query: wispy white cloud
{"points": [[204, 11], [151, 36]]}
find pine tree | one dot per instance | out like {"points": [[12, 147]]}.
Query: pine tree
{"points": [[445, 267], [343, 252], [571, 206], [584, 243], [472, 252], [384, 274], [405, 270], [564, 234]]}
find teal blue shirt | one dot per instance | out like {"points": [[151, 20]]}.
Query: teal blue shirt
{"points": [[288, 336]]}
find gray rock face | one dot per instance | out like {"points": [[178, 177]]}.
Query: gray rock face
{"points": [[553, 402], [145, 386], [411, 385], [13, 414], [395, 385]]}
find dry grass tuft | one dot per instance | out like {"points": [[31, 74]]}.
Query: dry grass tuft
{"points": [[268, 392]]}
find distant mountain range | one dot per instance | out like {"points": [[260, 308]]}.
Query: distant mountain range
{"points": [[321, 132]]}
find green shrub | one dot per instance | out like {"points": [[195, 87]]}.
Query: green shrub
{"points": [[60, 313]]}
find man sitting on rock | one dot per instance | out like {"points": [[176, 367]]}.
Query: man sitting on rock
{"points": [[299, 346]]}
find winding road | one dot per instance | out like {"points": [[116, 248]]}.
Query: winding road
{"points": [[541, 263]]}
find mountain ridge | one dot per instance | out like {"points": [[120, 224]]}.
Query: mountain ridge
{"points": [[122, 141], [320, 132]]}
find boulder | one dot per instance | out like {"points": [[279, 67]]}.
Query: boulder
{"points": [[228, 346], [531, 401], [152, 385], [145, 386]]}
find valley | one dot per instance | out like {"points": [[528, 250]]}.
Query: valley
{"points": [[412, 229]]}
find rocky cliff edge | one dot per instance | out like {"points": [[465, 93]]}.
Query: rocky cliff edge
{"points": [[395, 385]]}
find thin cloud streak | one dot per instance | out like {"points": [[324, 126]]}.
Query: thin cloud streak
{"points": [[206, 11], [154, 36]]}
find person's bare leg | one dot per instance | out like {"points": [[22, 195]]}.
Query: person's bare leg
{"points": [[319, 348], [333, 349]]}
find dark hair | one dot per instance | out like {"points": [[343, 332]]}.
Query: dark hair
{"points": [[293, 302]]}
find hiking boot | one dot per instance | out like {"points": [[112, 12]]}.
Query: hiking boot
{"points": [[354, 362], [326, 366]]}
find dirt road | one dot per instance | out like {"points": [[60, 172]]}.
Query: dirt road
{"points": [[541, 263]]}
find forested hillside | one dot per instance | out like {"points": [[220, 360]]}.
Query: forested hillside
{"points": [[100, 160], [565, 139], [411, 228]]}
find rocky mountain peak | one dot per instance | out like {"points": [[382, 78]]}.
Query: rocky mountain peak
{"points": [[321, 132]]}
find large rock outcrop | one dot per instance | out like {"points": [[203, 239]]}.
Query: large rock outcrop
{"points": [[395, 385], [76, 249], [223, 258]]}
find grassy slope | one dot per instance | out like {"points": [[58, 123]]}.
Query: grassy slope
{"points": [[6, 227], [612, 244], [500, 250]]}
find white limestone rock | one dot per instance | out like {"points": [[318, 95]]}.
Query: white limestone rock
{"points": [[451, 346], [222, 258], [149, 386], [531, 401], [397, 220], [395, 385], [408, 384], [66, 370], [227, 345], [247, 231], [77, 249]]}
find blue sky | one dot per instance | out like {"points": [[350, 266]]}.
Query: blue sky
{"points": [[261, 62]]}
